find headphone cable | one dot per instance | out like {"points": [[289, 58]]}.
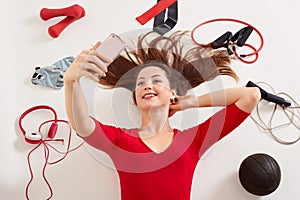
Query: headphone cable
{"points": [[46, 147]]}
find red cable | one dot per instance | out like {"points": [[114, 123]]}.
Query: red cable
{"points": [[255, 51], [68, 150], [246, 61], [47, 154], [30, 169]]}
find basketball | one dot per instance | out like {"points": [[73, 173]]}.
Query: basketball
{"points": [[259, 174]]}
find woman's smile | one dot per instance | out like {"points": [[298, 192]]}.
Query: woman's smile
{"points": [[149, 96]]}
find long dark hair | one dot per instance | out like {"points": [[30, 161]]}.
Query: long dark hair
{"points": [[177, 51]]}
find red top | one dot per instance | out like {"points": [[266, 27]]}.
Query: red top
{"points": [[146, 175]]}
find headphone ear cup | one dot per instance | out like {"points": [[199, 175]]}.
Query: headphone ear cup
{"points": [[52, 130], [33, 138]]}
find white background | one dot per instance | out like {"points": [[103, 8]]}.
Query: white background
{"points": [[25, 44]]}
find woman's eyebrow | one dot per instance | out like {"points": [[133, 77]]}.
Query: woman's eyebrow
{"points": [[153, 76]]}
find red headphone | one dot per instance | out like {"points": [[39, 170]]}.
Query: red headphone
{"points": [[37, 137]]}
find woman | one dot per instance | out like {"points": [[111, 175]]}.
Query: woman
{"points": [[156, 161]]}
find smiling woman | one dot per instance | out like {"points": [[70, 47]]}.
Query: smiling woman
{"points": [[156, 74], [148, 158]]}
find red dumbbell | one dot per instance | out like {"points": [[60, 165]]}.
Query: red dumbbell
{"points": [[71, 13]]}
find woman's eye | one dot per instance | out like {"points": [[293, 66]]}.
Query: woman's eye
{"points": [[140, 83], [156, 81]]}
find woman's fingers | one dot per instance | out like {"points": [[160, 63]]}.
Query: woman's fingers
{"points": [[99, 59], [95, 64], [173, 108], [96, 45], [102, 57], [93, 70], [90, 76], [181, 103]]}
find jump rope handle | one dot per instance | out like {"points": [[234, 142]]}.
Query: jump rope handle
{"points": [[270, 97], [242, 35]]}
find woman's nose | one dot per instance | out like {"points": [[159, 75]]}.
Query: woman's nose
{"points": [[148, 86]]}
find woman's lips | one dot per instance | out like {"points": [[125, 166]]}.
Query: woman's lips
{"points": [[149, 96]]}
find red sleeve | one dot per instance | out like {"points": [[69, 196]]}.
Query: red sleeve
{"points": [[104, 137], [219, 125]]}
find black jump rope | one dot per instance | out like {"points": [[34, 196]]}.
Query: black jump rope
{"points": [[288, 106]]}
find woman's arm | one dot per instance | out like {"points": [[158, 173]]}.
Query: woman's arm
{"points": [[239, 104], [246, 98], [89, 64]]}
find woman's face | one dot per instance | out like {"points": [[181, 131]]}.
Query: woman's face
{"points": [[152, 88]]}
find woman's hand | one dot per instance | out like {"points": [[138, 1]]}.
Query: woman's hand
{"points": [[183, 102], [90, 64]]}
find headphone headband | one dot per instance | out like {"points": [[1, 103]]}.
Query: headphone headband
{"points": [[35, 137]]}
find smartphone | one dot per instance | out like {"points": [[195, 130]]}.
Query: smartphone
{"points": [[112, 46]]}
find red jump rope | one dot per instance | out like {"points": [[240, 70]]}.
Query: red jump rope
{"points": [[229, 40]]}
